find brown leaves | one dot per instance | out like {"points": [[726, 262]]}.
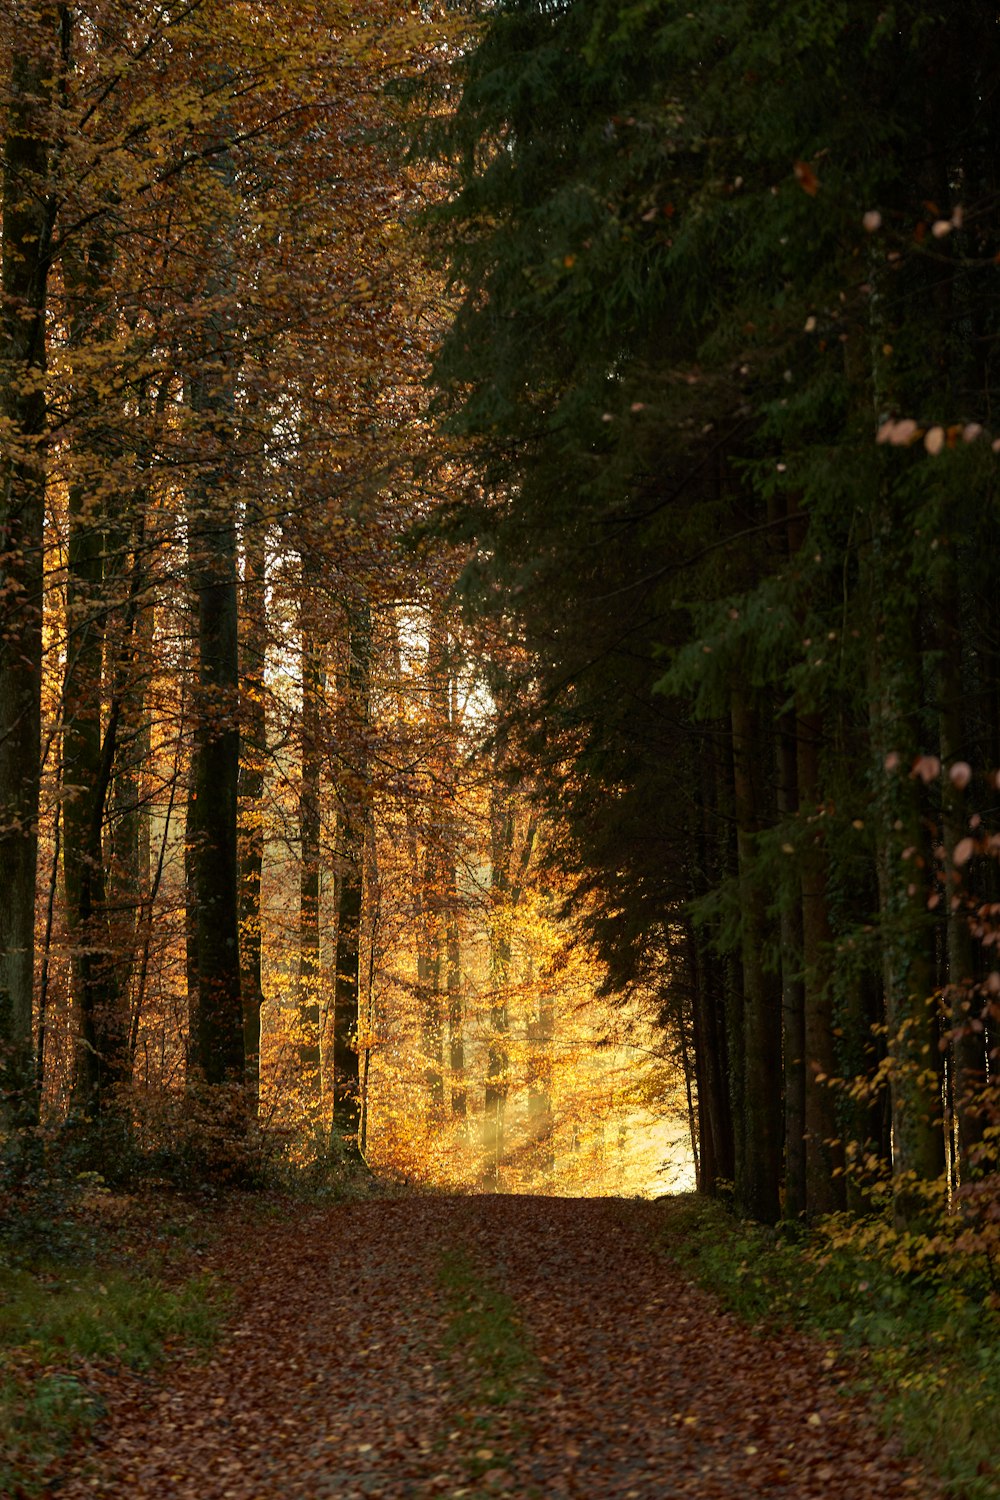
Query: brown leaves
{"points": [[806, 178], [335, 1379]]}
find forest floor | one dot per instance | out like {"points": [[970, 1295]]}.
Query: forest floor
{"points": [[429, 1346]]}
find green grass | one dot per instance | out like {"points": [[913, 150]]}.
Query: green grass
{"points": [[484, 1326], [483, 1322], [925, 1348], [54, 1320]]}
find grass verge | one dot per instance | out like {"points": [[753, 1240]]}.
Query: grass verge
{"points": [[56, 1321], [925, 1348]]}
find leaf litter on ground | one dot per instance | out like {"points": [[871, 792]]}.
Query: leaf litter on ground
{"points": [[353, 1366]]}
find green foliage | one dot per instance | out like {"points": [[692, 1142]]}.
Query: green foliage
{"points": [[52, 1322], [923, 1345]]}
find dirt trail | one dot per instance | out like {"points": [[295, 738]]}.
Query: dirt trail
{"points": [[335, 1377]]}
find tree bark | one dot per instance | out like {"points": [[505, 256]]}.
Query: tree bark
{"points": [[824, 1151], [250, 787], [793, 989], [313, 687], [218, 1044], [28, 212], [758, 1184], [350, 887]]}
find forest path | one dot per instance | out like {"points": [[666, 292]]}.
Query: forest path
{"points": [[527, 1347]]}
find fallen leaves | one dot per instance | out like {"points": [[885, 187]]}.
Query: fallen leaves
{"points": [[338, 1380]]}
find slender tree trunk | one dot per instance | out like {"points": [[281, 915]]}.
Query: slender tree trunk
{"points": [[350, 886], [498, 1058], [793, 990], [313, 687], [906, 928], [89, 755], [218, 1043], [824, 1151], [250, 790], [27, 221], [429, 965], [456, 1031], [757, 1186], [968, 1048], [541, 1034]]}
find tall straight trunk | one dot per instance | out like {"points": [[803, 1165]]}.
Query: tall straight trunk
{"points": [[968, 1046], [250, 789], [824, 1151], [703, 1125], [506, 887], [758, 1184], [432, 1021], [430, 896], [456, 1031], [793, 989], [906, 929], [213, 559], [89, 754], [541, 1033], [27, 219], [313, 686], [705, 980], [432, 891], [354, 823], [497, 1056]]}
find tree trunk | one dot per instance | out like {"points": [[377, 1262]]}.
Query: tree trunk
{"points": [[218, 1044], [964, 1002], [793, 990], [824, 1151], [350, 885], [497, 1057], [26, 238], [313, 687], [456, 1032], [758, 1184], [906, 930], [250, 789], [541, 1034], [102, 1060]]}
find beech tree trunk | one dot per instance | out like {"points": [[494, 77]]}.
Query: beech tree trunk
{"points": [[313, 687], [89, 755], [250, 787], [27, 221], [218, 1051], [456, 1031], [350, 887]]}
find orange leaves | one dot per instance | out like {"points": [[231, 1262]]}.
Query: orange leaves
{"points": [[806, 178]]}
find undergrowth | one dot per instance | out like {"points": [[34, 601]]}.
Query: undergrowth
{"points": [[923, 1346], [63, 1311]]}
